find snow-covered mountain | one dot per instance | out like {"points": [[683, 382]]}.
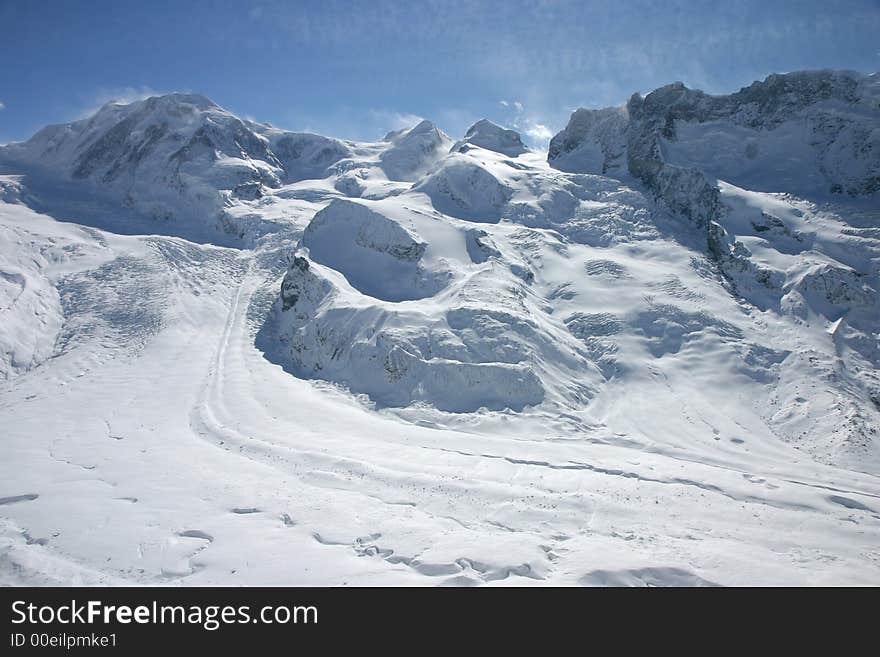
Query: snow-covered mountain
{"points": [[650, 358], [178, 158], [782, 181], [811, 133]]}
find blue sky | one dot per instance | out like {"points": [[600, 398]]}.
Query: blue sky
{"points": [[358, 69]]}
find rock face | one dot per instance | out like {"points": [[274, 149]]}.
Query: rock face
{"points": [[594, 141], [810, 133], [765, 178], [490, 136], [302, 291], [806, 132]]}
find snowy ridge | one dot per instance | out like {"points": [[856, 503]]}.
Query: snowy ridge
{"points": [[422, 362], [178, 158], [809, 132]]}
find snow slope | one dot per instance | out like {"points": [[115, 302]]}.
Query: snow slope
{"points": [[803, 250], [413, 362]]}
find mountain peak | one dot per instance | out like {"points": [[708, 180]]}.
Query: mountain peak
{"points": [[163, 101], [747, 137], [413, 150], [491, 136], [197, 100], [423, 127]]}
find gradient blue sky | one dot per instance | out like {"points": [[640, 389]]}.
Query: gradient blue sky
{"points": [[358, 69]]}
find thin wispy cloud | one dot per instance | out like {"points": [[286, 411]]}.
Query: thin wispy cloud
{"points": [[532, 127], [120, 95], [332, 61], [400, 120]]}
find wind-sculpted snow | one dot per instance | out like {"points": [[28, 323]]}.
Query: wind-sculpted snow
{"points": [[459, 363], [462, 188], [303, 155], [427, 364], [378, 256]]}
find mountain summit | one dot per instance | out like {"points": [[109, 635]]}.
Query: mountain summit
{"points": [[490, 136], [810, 132]]}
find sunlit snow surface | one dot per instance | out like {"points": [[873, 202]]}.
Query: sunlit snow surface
{"points": [[483, 371]]}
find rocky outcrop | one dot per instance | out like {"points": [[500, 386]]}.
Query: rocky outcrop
{"points": [[677, 140], [302, 291]]}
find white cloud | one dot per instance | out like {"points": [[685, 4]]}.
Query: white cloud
{"points": [[503, 103], [518, 105], [405, 120], [2, 105], [538, 132]]}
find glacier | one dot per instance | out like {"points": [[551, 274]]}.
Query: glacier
{"points": [[235, 354]]}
